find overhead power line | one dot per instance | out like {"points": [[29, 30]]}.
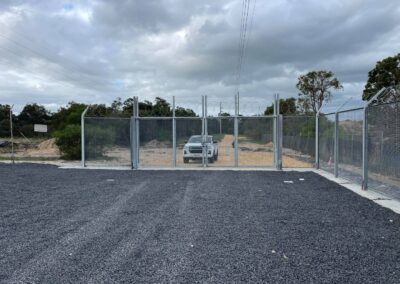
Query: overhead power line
{"points": [[243, 38]]}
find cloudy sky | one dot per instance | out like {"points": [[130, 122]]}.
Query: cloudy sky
{"points": [[53, 52]]}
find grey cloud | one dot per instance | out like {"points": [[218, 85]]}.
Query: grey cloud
{"points": [[96, 50]]}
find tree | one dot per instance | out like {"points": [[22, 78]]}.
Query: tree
{"points": [[71, 114], [385, 74], [184, 112], [5, 120], [32, 114], [161, 107], [315, 88], [286, 106]]}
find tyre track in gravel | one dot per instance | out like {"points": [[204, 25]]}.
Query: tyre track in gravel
{"points": [[73, 241]]}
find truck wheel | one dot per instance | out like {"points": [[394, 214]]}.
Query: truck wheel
{"points": [[185, 160], [211, 160]]}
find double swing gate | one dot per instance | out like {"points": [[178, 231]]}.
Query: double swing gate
{"points": [[182, 142]]}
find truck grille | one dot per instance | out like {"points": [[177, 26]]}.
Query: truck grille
{"points": [[196, 149]]}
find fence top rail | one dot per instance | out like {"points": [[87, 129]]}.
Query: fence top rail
{"points": [[298, 116], [181, 117], [108, 117]]}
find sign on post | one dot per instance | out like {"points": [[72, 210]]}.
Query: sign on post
{"points": [[40, 128]]}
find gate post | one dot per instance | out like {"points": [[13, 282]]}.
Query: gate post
{"points": [[278, 133], [202, 130], [205, 131], [279, 136], [236, 130], [83, 137], [173, 133], [135, 134]]}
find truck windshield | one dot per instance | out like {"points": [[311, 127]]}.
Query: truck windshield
{"points": [[198, 139]]}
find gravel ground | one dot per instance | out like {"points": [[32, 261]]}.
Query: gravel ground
{"points": [[93, 226]]}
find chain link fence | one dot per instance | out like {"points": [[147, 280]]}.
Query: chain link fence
{"points": [[363, 145], [107, 142], [326, 142], [298, 141], [350, 127], [384, 148]]}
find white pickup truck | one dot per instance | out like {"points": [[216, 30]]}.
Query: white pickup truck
{"points": [[193, 149]]}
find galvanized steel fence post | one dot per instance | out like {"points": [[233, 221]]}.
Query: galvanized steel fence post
{"points": [[135, 134], [83, 157], [205, 130], [173, 133], [279, 135], [236, 130], [317, 140], [12, 135]]}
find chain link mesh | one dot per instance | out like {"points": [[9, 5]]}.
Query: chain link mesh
{"points": [[350, 144], [255, 141], [107, 142], [326, 129], [298, 141], [384, 148], [155, 136]]}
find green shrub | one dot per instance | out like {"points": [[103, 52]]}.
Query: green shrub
{"points": [[68, 141], [97, 139]]}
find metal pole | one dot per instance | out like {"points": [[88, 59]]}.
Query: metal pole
{"points": [[278, 134], [236, 131], [336, 146], [220, 121], [137, 133], [280, 140], [206, 128], [317, 140], [202, 130], [274, 131], [132, 140], [133, 135], [365, 149], [83, 137], [173, 133], [12, 136]]}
